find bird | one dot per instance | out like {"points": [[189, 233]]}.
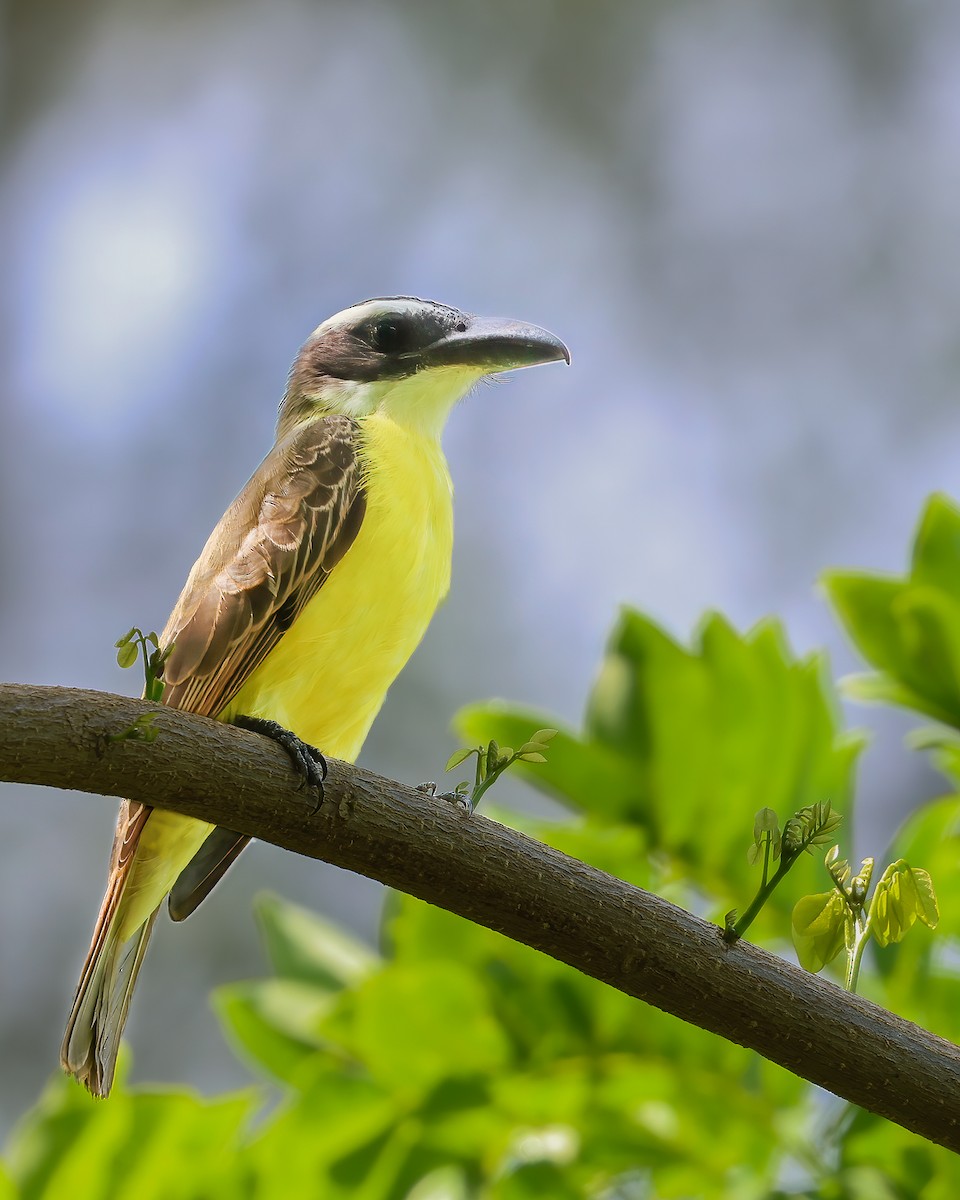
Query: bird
{"points": [[306, 602]]}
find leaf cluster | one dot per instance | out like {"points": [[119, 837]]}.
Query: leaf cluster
{"points": [[492, 760], [813, 825], [843, 919], [146, 646], [136, 644]]}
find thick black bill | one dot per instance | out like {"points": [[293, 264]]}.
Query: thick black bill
{"points": [[492, 345]]}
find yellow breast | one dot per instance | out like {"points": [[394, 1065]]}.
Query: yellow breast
{"points": [[329, 674]]}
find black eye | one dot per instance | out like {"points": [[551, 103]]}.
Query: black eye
{"points": [[389, 335]]}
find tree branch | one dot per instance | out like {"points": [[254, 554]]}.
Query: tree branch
{"points": [[499, 878]]}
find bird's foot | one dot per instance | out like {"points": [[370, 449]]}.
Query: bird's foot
{"points": [[308, 762], [460, 799]]}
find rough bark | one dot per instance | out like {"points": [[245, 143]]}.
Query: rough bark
{"points": [[628, 938]]}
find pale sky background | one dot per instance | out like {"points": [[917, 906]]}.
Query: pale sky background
{"points": [[743, 218]]}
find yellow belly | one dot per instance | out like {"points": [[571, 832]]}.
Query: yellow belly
{"points": [[329, 674]]}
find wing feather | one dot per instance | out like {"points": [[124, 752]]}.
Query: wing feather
{"points": [[273, 550], [264, 562]]}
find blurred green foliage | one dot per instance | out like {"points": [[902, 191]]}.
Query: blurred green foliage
{"points": [[684, 747], [908, 628], [457, 1065]]}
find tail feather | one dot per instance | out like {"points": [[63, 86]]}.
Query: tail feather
{"points": [[150, 849], [92, 1037]]}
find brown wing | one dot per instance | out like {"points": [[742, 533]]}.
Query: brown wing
{"points": [[267, 558], [270, 554]]}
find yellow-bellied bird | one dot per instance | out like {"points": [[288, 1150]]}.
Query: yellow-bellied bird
{"points": [[309, 597]]}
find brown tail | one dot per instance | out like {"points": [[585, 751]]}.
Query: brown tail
{"points": [[92, 1038]]}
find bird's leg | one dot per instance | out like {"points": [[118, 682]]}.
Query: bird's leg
{"points": [[308, 762]]}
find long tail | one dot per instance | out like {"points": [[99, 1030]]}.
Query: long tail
{"points": [[99, 1013], [150, 849], [92, 1038]]}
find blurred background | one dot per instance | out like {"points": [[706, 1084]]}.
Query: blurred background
{"points": [[744, 219]]}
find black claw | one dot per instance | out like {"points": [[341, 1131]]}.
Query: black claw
{"points": [[308, 762]]}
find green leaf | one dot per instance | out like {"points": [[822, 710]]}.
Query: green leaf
{"points": [[813, 825], [865, 604], [903, 896], [909, 628], [867, 688], [274, 1023], [860, 883], [127, 654], [445, 1183], [942, 744], [325, 1139], [936, 548], [72, 1146], [534, 1180], [307, 947], [447, 1027], [459, 756], [929, 622], [817, 925], [878, 1160], [127, 637], [531, 756], [931, 835], [766, 837]]}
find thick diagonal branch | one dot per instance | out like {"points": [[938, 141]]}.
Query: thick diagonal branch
{"points": [[497, 877]]}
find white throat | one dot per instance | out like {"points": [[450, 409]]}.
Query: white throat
{"points": [[421, 402]]}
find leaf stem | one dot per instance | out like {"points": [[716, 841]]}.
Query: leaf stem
{"points": [[856, 955], [741, 926]]}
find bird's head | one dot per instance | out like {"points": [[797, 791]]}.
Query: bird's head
{"points": [[410, 359]]}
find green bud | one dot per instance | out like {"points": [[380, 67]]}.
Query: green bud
{"points": [[765, 822]]}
